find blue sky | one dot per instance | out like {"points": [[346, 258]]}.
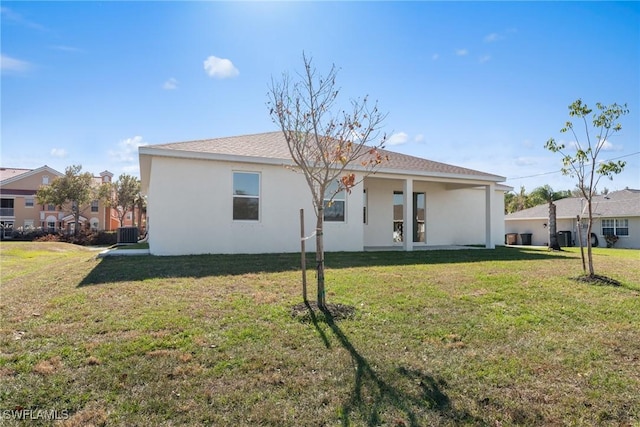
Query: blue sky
{"points": [[476, 84]]}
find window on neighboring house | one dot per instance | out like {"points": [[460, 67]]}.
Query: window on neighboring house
{"points": [[51, 207], [246, 196], [615, 227], [94, 206], [28, 202], [45, 179], [334, 209], [6, 207], [28, 224]]}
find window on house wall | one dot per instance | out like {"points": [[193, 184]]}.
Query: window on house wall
{"points": [[615, 227], [28, 224], [246, 196], [334, 209], [28, 202], [94, 206], [365, 205], [45, 179], [398, 216], [51, 207]]}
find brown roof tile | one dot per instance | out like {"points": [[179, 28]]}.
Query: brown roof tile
{"points": [[273, 145], [6, 173]]}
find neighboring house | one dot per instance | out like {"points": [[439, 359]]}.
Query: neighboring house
{"points": [[239, 195], [20, 212], [617, 213]]}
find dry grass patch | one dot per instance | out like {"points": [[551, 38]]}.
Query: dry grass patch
{"points": [[48, 367]]}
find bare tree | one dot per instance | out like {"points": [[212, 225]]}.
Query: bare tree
{"points": [[584, 164], [328, 145]]}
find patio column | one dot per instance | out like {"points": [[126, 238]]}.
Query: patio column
{"points": [[490, 191], [407, 226]]}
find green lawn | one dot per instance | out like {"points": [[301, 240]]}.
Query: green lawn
{"points": [[471, 337]]}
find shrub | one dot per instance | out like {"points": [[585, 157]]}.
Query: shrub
{"points": [[83, 238], [611, 240]]}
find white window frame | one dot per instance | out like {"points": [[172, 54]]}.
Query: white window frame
{"points": [[241, 196], [330, 197], [615, 224], [27, 204]]}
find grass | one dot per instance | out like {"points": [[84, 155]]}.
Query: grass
{"points": [[470, 337], [143, 245]]}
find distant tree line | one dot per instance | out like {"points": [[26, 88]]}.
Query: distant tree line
{"points": [[518, 201]]}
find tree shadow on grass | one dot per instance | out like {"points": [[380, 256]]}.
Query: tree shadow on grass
{"points": [[412, 397], [137, 268]]}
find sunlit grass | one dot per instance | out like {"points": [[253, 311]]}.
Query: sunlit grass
{"points": [[471, 337]]}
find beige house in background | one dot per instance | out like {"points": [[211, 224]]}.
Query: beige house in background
{"points": [[20, 212], [616, 213], [248, 201]]}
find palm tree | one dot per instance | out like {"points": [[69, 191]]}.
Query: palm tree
{"points": [[547, 194]]}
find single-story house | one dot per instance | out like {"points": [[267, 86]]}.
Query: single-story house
{"points": [[615, 214], [239, 195]]}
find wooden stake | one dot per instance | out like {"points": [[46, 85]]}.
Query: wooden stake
{"points": [[303, 256]]}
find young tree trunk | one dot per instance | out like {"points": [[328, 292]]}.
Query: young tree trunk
{"points": [[76, 219], [581, 243], [553, 233], [589, 227], [303, 257], [320, 258]]}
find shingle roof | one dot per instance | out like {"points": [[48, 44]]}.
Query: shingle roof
{"points": [[6, 173], [623, 203], [272, 145]]}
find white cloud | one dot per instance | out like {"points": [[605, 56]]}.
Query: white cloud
{"points": [[484, 58], [398, 138], [435, 56], [127, 151], [170, 84], [66, 48], [605, 145], [526, 161], [8, 63], [418, 138], [60, 153], [462, 52], [493, 37], [220, 68], [16, 17]]}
